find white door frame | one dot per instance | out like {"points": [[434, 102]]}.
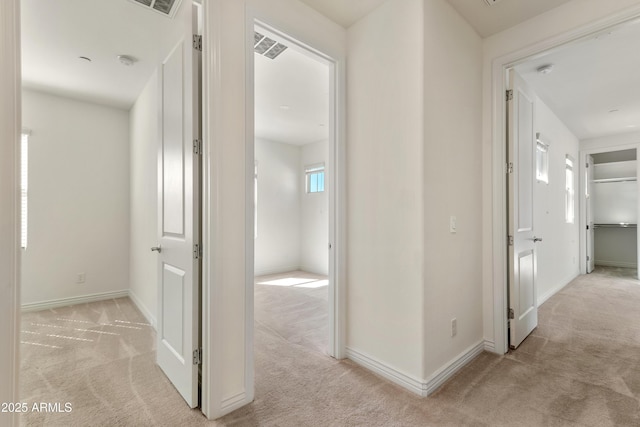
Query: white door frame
{"points": [[10, 128], [334, 178], [499, 68], [583, 203]]}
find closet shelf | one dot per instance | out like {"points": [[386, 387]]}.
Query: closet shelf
{"points": [[623, 179], [621, 225]]}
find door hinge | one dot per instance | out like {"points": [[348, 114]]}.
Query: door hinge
{"points": [[510, 240], [197, 42], [509, 95], [197, 251], [509, 167], [197, 356], [197, 146], [587, 227], [588, 258], [586, 165], [510, 314]]}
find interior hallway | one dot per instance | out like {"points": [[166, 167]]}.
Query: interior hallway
{"points": [[580, 367]]}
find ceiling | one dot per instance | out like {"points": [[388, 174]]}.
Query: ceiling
{"points": [[594, 87], [486, 20], [503, 14], [56, 33], [291, 98]]}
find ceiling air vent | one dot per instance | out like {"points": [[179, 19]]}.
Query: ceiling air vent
{"points": [[263, 45], [165, 7]]}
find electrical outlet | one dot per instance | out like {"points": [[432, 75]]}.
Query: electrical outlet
{"points": [[81, 278], [454, 327]]}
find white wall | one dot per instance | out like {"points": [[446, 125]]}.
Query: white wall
{"points": [[78, 198], [550, 28], [277, 246], [558, 252], [143, 202], [385, 186], [314, 225], [452, 176]]}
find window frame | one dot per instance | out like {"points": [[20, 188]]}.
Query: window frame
{"points": [[317, 169], [570, 178]]}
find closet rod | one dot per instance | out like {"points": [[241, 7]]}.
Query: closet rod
{"points": [[623, 225]]}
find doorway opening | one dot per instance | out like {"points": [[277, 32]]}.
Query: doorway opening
{"points": [[293, 184], [611, 214], [569, 120], [93, 81]]}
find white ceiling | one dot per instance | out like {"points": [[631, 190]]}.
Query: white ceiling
{"points": [[590, 78], [344, 12], [486, 20], [503, 14], [291, 98], [56, 32]]}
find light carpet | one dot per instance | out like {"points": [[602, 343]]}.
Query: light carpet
{"points": [[580, 367]]}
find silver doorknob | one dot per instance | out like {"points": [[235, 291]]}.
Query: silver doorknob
{"points": [[537, 239], [157, 249]]}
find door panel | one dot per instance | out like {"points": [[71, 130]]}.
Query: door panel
{"points": [[178, 205], [521, 147]]}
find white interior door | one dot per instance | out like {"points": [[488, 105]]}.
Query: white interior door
{"points": [[523, 306], [178, 205], [590, 230]]}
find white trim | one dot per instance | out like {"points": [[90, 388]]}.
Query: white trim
{"points": [[396, 376], [498, 125], [551, 292], [616, 264], [234, 402], [143, 309], [65, 302], [278, 270], [490, 346], [453, 366], [411, 383]]}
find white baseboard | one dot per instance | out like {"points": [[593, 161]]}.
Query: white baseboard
{"points": [[415, 385], [143, 309], [319, 272], [64, 302], [232, 403], [279, 270], [616, 264], [543, 298], [412, 384], [453, 366], [490, 346]]}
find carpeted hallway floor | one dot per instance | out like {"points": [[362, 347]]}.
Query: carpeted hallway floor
{"points": [[580, 367]]}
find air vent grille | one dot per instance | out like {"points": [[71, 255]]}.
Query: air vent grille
{"points": [[165, 7], [263, 45]]}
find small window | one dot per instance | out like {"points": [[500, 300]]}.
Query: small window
{"points": [[570, 191], [314, 175], [542, 159], [24, 188]]}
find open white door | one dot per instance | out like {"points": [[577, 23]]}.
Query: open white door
{"points": [[589, 199], [178, 204], [521, 146]]}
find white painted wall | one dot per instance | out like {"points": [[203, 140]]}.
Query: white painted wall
{"points": [[144, 131], [558, 252], [452, 176], [78, 198], [314, 211], [277, 246], [385, 81], [228, 246], [548, 29], [10, 111]]}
